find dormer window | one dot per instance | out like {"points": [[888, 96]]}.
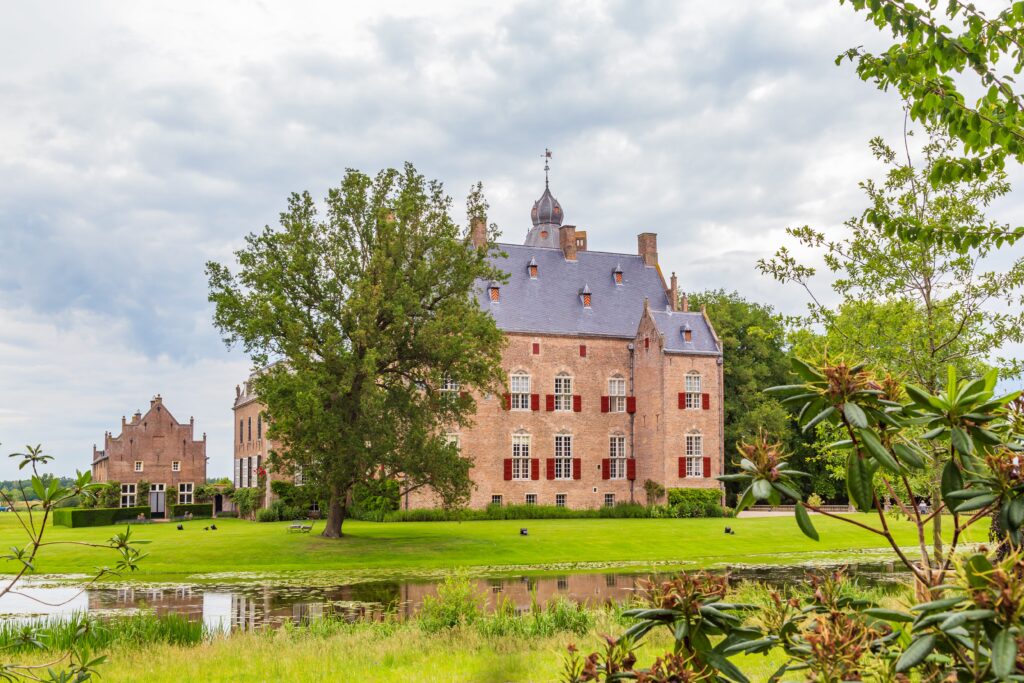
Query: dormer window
{"points": [[532, 268], [495, 293], [585, 296], [687, 334], [617, 273]]}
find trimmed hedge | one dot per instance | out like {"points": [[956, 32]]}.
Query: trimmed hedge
{"points": [[618, 511], [696, 502], [197, 510], [81, 517]]}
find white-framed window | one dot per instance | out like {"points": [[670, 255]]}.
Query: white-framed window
{"points": [[185, 493], [520, 387], [560, 500], [455, 439], [127, 495], [694, 455], [609, 500], [157, 488], [562, 583], [617, 456], [563, 456], [138, 465], [520, 456], [692, 391], [299, 481], [175, 466], [563, 393], [496, 500], [531, 498], [449, 386], [616, 395]]}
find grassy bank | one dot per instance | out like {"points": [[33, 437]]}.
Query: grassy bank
{"points": [[422, 548]]}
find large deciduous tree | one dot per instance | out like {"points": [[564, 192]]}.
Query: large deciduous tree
{"points": [[913, 307], [365, 334]]}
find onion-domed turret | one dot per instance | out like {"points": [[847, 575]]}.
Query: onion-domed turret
{"points": [[547, 217]]}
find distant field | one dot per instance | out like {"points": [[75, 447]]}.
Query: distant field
{"points": [[424, 548]]}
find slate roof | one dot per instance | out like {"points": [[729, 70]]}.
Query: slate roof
{"points": [[552, 303], [672, 324]]}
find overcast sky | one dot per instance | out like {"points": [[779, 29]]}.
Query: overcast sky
{"points": [[138, 140]]}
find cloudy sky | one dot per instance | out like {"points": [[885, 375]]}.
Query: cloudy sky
{"points": [[138, 140]]}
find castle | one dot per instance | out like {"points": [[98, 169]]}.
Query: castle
{"points": [[612, 381]]}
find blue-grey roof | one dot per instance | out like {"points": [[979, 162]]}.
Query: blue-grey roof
{"points": [[672, 324], [552, 304]]}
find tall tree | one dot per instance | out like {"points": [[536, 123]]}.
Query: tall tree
{"points": [[365, 334], [913, 308]]}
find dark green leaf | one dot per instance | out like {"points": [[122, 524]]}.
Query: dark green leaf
{"points": [[889, 614], [803, 520], [952, 480], [878, 451], [909, 456], [915, 653], [855, 415], [859, 482], [975, 503], [1004, 654]]}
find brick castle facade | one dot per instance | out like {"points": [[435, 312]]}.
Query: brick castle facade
{"points": [[612, 380]]}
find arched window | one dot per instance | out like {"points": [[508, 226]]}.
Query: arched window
{"points": [[520, 390], [563, 392], [694, 454], [692, 390]]}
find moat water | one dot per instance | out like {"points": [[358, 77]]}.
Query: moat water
{"points": [[266, 603]]}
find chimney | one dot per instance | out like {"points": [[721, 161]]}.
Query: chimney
{"points": [[567, 240], [478, 232], [673, 294], [686, 302], [647, 247], [581, 240]]}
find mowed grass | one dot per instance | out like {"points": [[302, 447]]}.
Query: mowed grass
{"points": [[412, 548]]}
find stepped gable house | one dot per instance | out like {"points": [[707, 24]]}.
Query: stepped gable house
{"points": [[612, 380], [154, 447]]}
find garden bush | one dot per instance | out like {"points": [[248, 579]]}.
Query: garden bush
{"points": [[457, 603], [197, 510], [279, 511], [618, 511], [82, 517], [696, 502], [228, 513], [375, 498]]}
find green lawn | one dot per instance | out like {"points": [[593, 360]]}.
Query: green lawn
{"points": [[425, 548]]}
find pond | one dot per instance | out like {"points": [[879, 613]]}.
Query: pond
{"points": [[243, 606]]}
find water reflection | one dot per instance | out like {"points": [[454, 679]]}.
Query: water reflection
{"points": [[244, 606]]}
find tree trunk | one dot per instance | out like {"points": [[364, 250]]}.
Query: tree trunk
{"points": [[335, 515], [937, 524]]}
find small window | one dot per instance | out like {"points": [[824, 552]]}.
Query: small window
{"points": [[585, 296], [617, 274], [299, 481], [617, 457], [609, 500], [454, 439], [694, 455], [241, 431], [495, 294], [532, 268], [496, 500], [520, 386], [249, 430], [616, 395], [687, 334], [138, 465], [259, 427], [175, 466], [563, 456], [449, 385], [531, 498], [520, 456], [127, 495], [560, 500], [185, 494], [563, 393], [693, 391]]}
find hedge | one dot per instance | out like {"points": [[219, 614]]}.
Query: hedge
{"points": [[696, 502], [80, 517], [620, 510], [197, 510]]}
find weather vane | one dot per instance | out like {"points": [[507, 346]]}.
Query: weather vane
{"points": [[547, 155]]}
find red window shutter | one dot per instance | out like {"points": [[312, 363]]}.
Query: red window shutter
{"points": [[536, 348], [577, 468], [463, 394], [583, 350], [508, 469], [604, 404], [606, 469], [551, 468], [508, 401], [549, 402], [577, 403], [682, 400], [631, 404], [705, 401], [535, 469], [682, 467], [631, 469], [707, 467], [534, 401]]}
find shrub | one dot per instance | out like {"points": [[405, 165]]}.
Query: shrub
{"points": [[82, 517], [457, 603], [197, 510], [815, 500], [266, 515], [228, 513], [374, 498], [654, 492], [624, 511], [246, 500], [696, 502], [279, 511]]}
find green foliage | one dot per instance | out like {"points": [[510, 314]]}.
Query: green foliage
{"points": [[84, 631], [197, 510], [940, 51], [374, 498], [654, 491], [560, 615], [695, 502], [377, 299], [280, 511], [142, 492], [618, 511], [247, 500], [457, 604], [79, 517]]}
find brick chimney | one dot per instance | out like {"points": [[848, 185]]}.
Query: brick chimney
{"points": [[581, 240], [647, 247], [685, 302], [478, 232], [673, 293], [567, 240]]}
